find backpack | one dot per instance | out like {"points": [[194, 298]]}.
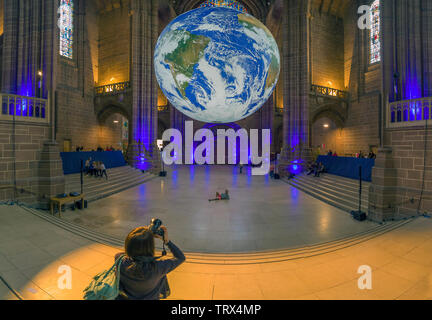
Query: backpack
{"points": [[105, 285]]}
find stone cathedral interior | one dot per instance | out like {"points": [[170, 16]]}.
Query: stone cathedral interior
{"points": [[285, 145]]}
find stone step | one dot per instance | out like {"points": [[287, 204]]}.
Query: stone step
{"points": [[347, 195], [116, 188], [237, 258], [345, 184], [338, 200], [119, 179], [76, 178], [336, 188], [99, 182]]}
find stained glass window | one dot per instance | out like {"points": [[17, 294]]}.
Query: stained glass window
{"points": [[66, 28], [224, 3], [375, 33]]}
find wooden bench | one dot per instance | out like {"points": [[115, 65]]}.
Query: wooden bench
{"points": [[62, 201]]}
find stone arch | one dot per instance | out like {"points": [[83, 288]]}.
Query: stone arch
{"points": [[108, 110], [333, 135], [330, 111], [104, 112]]}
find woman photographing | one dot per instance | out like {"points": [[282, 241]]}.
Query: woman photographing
{"points": [[142, 275]]}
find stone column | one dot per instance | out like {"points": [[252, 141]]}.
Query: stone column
{"points": [[383, 191], [267, 114], [296, 149], [143, 152], [50, 172]]}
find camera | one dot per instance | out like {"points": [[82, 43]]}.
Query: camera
{"points": [[155, 227]]}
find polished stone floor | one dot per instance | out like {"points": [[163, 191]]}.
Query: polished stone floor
{"points": [[263, 214], [34, 254]]}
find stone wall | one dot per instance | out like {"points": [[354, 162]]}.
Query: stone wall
{"points": [[76, 121], [350, 26], [408, 151], [92, 22], [361, 131], [327, 53], [1, 16], [114, 46], [19, 165]]}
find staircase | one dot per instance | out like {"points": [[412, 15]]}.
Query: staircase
{"points": [[119, 179], [337, 191]]}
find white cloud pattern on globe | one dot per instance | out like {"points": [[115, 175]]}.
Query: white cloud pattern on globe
{"points": [[217, 65]]}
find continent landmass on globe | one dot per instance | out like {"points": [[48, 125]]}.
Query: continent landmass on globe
{"points": [[250, 23], [184, 58]]}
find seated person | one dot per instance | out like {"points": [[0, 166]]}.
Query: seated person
{"points": [[272, 171], [320, 169], [312, 167], [225, 196]]}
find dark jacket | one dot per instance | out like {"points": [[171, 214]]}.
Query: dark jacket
{"points": [[144, 278]]}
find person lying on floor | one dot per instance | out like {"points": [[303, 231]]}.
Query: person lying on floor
{"points": [[223, 196]]}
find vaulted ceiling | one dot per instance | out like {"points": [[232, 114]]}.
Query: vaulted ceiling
{"points": [[332, 7], [258, 8], [109, 5]]}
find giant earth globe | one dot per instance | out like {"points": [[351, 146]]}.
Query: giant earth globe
{"points": [[216, 64]]}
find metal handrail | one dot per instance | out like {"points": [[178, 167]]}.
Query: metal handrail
{"points": [[112, 88], [329, 92]]}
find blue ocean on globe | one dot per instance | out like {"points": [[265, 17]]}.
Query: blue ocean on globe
{"points": [[217, 65]]}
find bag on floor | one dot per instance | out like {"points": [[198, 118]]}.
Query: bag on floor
{"points": [[105, 285]]}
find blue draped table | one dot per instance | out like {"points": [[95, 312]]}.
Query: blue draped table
{"points": [[72, 160], [348, 167]]}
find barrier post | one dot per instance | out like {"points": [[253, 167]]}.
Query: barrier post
{"points": [[360, 188], [82, 183], [82, 176]]}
